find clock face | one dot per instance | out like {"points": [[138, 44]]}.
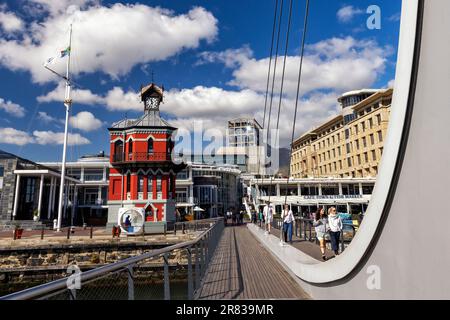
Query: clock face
{"points": [[152, 103]]}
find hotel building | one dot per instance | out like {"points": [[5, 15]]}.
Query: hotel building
{"points": [[348, 145]]}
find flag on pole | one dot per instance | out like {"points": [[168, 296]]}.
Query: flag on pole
{"points": [[65, 52], [52, 60]]}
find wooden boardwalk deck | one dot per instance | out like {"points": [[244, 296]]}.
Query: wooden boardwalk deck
{"points": [[242, 268]]}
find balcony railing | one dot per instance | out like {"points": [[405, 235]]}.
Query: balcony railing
{"points": [[140, 156]]}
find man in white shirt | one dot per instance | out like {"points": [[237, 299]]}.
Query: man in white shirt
{"points": [[288, 223], [268, 216]]}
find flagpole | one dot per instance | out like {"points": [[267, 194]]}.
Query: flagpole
{"points": [[67, 105]]}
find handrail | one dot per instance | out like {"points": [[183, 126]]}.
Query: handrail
{"points": [[61, 284]]}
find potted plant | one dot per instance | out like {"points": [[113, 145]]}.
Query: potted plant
{"points": [[36, 215], [17, 231]]}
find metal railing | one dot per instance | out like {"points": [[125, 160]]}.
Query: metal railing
{"points": [[135, 278], [140, 156]]}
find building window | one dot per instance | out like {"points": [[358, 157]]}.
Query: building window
{"points": [[130, 146], [349, 162], [372, 139], [366, 157], [93, 174], [128, 182], [150, 146], [359, 159], [140, 183], [363, 126], [374, 155], [357, 144], [381, 151], [378, 119], [118, 150], [158, 183], [347, 133], [348, 148], [29, 192], [364, 142], [380, 136], [356, 129], [370, 123], [339, 151]]}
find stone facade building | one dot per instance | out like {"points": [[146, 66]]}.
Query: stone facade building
{"points": [[348, 145]]}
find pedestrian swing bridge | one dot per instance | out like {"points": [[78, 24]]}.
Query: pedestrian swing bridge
{"points": [[389, 257]]}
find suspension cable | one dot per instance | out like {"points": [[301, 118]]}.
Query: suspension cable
{"points": [[273, 81], [282, 87], [274, 27], [302, 53]]}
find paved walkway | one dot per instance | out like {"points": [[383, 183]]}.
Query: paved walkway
{"points": [[242, 268]]}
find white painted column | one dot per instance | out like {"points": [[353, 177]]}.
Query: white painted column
{"points": [[299, 190], [100, 192], [54, 194], [360, 188], [278, 190], [82, 174], [320, 189], [16, 197], [50, 195], [340, 188], [41, 190], [104, 174]]}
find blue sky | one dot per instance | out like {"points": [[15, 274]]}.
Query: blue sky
{"points": [[211, 56]]}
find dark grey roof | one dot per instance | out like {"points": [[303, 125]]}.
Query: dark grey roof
{"points": [[149, 119]]}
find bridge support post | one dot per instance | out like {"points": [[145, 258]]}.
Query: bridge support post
{"points": [[197, 267], [202, 257], [190, 280], [166, 277], [130, 282]]}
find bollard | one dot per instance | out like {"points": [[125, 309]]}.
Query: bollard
{"points": [[68, 233], [42, 233], [182, 228], [91, 232], [175, 229]]}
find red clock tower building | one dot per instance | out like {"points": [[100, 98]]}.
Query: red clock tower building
{"points": [[142, 173]]}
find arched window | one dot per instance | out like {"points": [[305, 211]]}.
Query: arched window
{"points": [[128, 183], [130, 147], [150, 146], [118, 150]]}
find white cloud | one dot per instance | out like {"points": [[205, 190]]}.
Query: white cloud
{"points": [[391, 83], [10, 23], [110, 39], [346, 14], [81, 96], [13, 136], [85, 121], [210, 102], [20, 138], [12, 108], [50, 137], [115, 99], [339, 64], [46, 118]]}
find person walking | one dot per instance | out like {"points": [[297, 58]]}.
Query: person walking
{"points": [[320, 225], [335, 223], [288, 222], [268, 217], [261, 217]]}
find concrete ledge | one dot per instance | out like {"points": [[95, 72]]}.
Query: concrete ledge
{"points": [[287, 254]]}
